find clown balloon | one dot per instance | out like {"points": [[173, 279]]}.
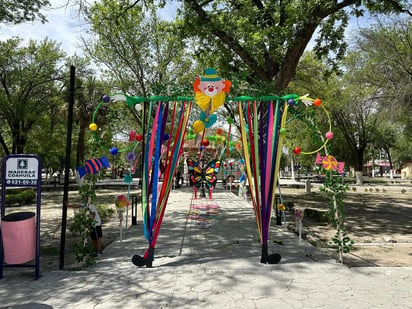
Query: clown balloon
{"points": [[210, 93]]}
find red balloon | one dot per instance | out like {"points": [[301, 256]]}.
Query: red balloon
{"points": [[205, 143], [219, 131], [317, 102], [297, 150], [139, 137]]}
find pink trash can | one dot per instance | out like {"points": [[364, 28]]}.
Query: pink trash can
{"points": [[18, 232]]}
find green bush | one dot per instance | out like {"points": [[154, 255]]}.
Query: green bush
{"points": [[20, 197], [28, 196]]}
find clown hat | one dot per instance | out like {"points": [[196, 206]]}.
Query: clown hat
{"points": [[210, 76]]}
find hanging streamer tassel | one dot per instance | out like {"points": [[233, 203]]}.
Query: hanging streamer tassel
{"points": [[261, 162], [147, 258]]}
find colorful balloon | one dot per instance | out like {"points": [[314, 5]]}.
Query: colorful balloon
{"points": [[329, 135], [121, 202], [198, 126], [138, 107], [317, 102], [114, 151], [93, 126], [106, 98], [130, 156]]}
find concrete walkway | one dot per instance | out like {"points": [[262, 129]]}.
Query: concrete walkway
{"points": [[210, 260]]}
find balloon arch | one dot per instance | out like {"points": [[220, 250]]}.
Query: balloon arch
{"points": [[166, 140]]}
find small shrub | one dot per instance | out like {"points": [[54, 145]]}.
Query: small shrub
{"points": [[354, 189], [370, 189], [28, 196], [20, 197], [377, 190], [403, 191], [12, 199], [80, 225]]}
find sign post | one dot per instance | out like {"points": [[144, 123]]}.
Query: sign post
{"points": [[22, 170]]}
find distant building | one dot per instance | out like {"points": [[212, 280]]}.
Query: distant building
{"points": [[376, 168], [406, 171]]}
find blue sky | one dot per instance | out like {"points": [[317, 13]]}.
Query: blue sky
{"points": [[66, 28]]}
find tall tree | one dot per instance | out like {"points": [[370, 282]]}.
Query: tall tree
{"points": [[387, 45], [140, 50], [264, 40], [28, 77]]}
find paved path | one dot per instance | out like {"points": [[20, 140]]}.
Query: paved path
{"points": [[214, 264]]}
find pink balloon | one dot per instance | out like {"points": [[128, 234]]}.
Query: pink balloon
{"points": [[329, 135]]}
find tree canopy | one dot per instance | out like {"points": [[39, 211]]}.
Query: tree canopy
{"points": [[16, 12], [264, 40], [28, 86]]}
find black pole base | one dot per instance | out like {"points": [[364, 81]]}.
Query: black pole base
{"points": [[141, 261], [269, 259]]}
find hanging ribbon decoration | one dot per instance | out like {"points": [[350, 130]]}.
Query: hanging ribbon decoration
{"points": [[229, 121], [159, 196], [261, 125]]}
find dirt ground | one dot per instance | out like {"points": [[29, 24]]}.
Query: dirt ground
{"points": [[378, 220]]}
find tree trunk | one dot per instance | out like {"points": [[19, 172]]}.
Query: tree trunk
{"points": [[80, 147]]}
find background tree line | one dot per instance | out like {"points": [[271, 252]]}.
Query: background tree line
{"points": [[261, 46]]}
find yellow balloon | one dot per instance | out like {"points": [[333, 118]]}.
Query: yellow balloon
{"points": [[198, 126], [93, 126]]}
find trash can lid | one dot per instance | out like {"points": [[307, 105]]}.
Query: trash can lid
{"points": [[18, 216]]}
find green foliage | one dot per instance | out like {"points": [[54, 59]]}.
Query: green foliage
{"points": [[80, 225], [21, 197], [16, 12], [151, 60], [82, 222], [336, 191], [28, 91], [264, 40]]}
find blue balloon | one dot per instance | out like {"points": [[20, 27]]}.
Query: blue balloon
{"points": [[114, 151]]}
